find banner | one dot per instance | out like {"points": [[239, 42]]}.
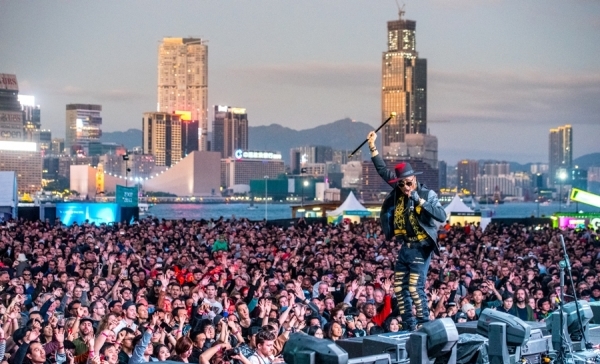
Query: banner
{"points": [[126, 196], [8, 82]]}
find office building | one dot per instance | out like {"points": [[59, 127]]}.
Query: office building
{"points": [[31, 116], [515, 184], [25, 159], [230, 130], [83, 125], [161, 137], [561, 151], [11, 115], [189, 137], [496, 168], [140, 165], [43, 138], [404, 85], [295, 161], [58, 146], [443, 168], [183, 81], [467, 172], [250, 165], [578, 178]]}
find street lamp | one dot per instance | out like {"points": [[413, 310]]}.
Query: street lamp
{"points": [[266, 178], [562, 176], [127, 170]]}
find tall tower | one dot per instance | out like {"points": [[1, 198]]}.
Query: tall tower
{"points": [[162, 137], [404, 85], [183, 81], [561, 151], [230, 130]]}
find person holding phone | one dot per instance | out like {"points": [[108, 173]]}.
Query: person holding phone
{"points": [[408, 214]]}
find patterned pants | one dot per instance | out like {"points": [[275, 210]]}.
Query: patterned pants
{"points": [[409, 283]]}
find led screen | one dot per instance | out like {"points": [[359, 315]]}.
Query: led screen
{"points": [[98, 213]]}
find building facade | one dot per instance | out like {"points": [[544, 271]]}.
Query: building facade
{"points": [[466, 175], [11, 115], [496, 168], [162, 137], [25, 159], [561, 151], [83, 126], [404, 85], [230, 130], [183, 81], [32, 120], [249, 166]]}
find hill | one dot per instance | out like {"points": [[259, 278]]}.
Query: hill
{"points": [[130, 138], [342, 134], [588, 160]]}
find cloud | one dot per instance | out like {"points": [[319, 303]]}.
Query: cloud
{"points": [[108, 95], [314, 75], [511, 96]]}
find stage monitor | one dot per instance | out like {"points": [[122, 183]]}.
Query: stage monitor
{"points": [[442, 335], [326, 352], [517, 330], [585, 311]]}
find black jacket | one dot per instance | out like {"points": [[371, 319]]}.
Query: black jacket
{"points": [[428, 213]]}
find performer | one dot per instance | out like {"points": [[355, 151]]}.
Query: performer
{"points": [[408, 214]]}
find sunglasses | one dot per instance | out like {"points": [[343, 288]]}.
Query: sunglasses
{"points": [[405, 183]]}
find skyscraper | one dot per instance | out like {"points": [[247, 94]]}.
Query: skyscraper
{"points": [[467, 171], [561, 151], [183, 80], [31, 115], [83, 125], [162, 137], [404, 85], [230, 130]]}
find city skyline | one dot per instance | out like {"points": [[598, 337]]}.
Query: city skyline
{"points": [[494, 69]]}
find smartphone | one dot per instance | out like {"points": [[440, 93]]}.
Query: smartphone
{"points": [[166, 327]]}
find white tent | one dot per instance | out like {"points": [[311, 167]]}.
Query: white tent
{"points": [[456, 205], [351, 204]]}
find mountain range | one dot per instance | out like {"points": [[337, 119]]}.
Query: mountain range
{"points": [[343, 134]]}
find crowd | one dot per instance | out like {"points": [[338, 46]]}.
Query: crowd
{"points": [[234, 290]]}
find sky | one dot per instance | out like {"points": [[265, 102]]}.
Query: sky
{"points": [[500, 73]]}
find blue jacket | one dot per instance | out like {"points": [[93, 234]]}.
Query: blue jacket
{"points": [[427, 214]]}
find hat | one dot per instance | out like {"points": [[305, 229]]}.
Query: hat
{"points": [[403, 170], [128, 304], [22, 257], [84, 319], [466, 307], [460, 315], [595, 287]]}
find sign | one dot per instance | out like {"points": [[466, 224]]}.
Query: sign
{"points": [[240, 154], [99, 213], [582, 196], [126, 196], [576, 221], [11, 125], [357, 213], [465, 213], [8, 82]]}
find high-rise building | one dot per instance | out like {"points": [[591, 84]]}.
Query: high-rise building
{"points": [[496, 168], [31, 116], [183, 81], [11, 116], [25, 159], [443, 168], [162, 137], [246, 166], [467, 171], [83, 125], [230, 130], [189, 136], [561, 151], [404, 85], [58, 146]]}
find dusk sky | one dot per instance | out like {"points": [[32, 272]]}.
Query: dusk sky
{"points": [[502, 72]]}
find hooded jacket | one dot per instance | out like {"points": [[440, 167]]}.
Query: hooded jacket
{"points": [[427, 213]]}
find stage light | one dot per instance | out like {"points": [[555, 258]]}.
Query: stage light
{"points": [[434, 339], [517, 330], [305, 349]]}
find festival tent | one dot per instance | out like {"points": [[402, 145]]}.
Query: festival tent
{"points": [[457, 211], [456, 205], [350, 207]]}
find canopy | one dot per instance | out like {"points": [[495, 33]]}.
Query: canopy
{"points": [[350, 207], [456, 205]]}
